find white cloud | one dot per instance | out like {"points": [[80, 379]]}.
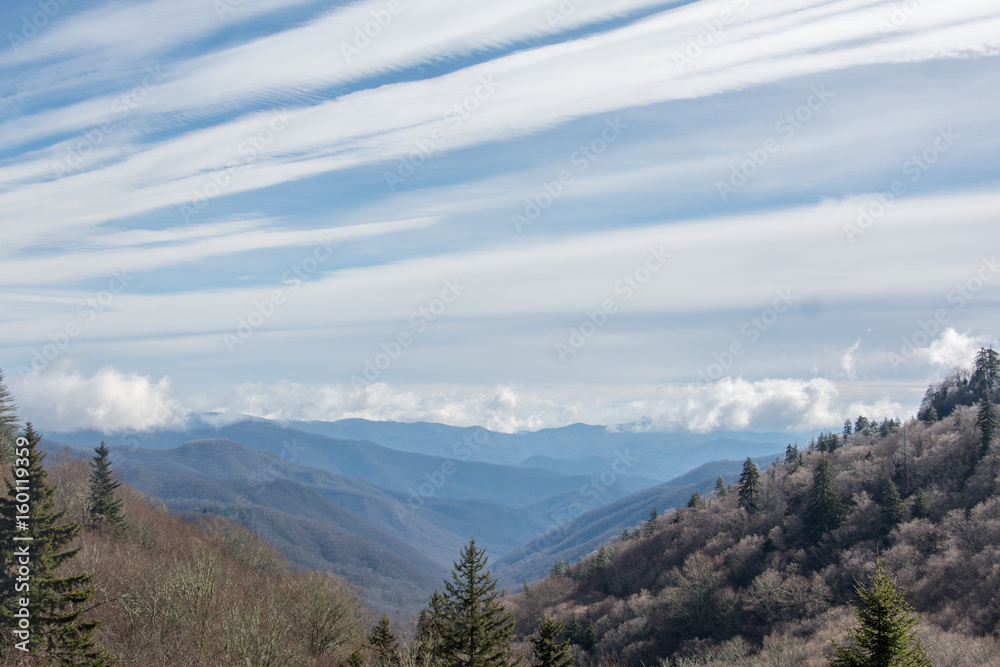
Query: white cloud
{"points": [[62, 399], [952, 349], [847, 361]]}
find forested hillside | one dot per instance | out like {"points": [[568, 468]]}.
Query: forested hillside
{"points": [[112, 578], [760, 573]]}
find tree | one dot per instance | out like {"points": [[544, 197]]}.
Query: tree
{"points": [[549, 651], [720, 487], [848, 431], [930, 415], [890, 505], [750, 485], [696, 501], [103, 507], [824, 508], [793, 457], [8, 424], [654, 514], [986, 374], [472, 625], [385, 648], [885, 635], [55, 603], [921, 507], [986, 420], [558, 569]]}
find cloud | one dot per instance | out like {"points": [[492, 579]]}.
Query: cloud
{"points": [[62, 399], [731, 404], [952, 349], [847, 361]]}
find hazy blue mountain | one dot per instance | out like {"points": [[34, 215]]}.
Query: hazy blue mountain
{"points": [[571, 538], [663, 455]]}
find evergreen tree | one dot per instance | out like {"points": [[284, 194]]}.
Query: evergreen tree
{"points": [[473, 627], [720, 487], [558, 569], [8, 424], [884, 636], [749, 484], [793, 457], [549, 651], [696, 501], [588, 639], [921, 507], [103, 507], [930, 415], [848, 431], [824, 508], [602, 559], [986, 376], [654, 514], [890, 505], [986, 419], [573, 631], [55, 602], [385, 648]]}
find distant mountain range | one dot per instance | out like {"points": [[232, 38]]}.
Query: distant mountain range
{"points": [[389, 505]]}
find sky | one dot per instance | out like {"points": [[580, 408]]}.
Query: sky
{"points": [[718, 214]]}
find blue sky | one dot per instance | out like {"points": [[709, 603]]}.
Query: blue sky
{"points": [[717, 214]]}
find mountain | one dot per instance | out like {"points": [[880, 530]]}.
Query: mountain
{"points": [[663, 455], [570, 539]]}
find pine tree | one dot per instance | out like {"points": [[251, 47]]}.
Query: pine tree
{"points": [[824, 508], [931, 416], [921, 507], [473, 627], [890, 505], [55, 602], [986, 376], [589, 639], [385, 648], [8, 424], [884, 636], [750, 484], [696, 501], [848, 431], [986, 420], [103, 507], [549, 651], [793, 457], [720, 487], [654, 514], [558, 569], [602, 559]]}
